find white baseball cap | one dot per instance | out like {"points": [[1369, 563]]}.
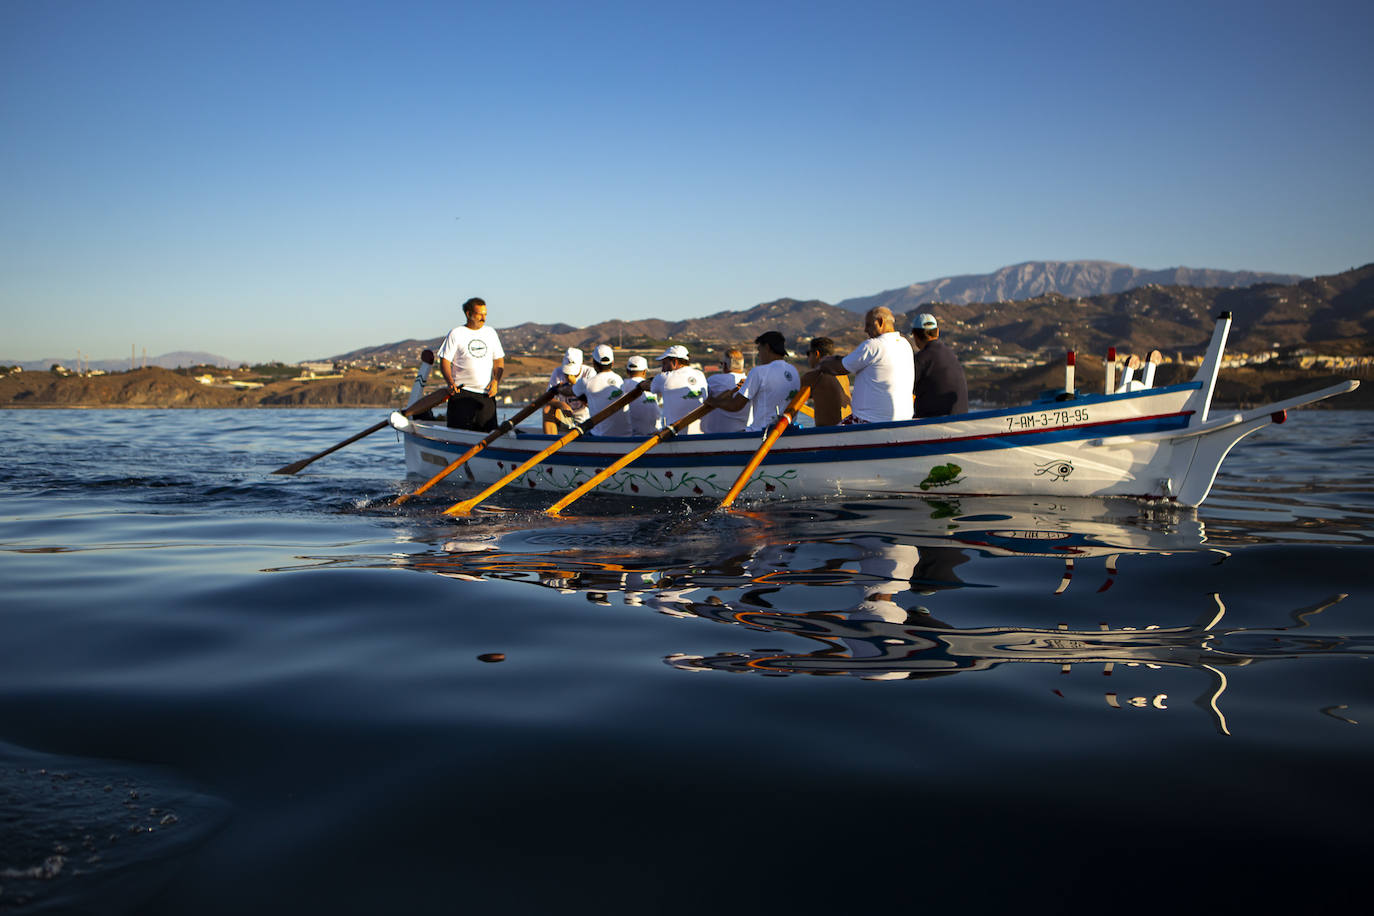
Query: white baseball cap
{"points": [[603, 354], [572, 357], [677, 351], [637, 364], [927, 321]]}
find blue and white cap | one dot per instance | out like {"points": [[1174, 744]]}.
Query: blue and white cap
{"points": [[927, 321]]}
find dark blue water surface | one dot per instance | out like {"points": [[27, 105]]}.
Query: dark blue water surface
{"points": [[223, 691]]}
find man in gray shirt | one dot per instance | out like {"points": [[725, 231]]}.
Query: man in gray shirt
{"points": [[940, 388]]}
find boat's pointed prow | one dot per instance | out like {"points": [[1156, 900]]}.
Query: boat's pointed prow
{"points": [[1214, 441]]}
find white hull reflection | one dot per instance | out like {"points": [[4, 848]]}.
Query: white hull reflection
{"points": [[902, 590]]}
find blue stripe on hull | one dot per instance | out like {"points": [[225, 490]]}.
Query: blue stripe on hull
{"points": [[782, 455]]}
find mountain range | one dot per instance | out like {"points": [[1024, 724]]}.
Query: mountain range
{"points": [[174, 360], [1068, 278]]}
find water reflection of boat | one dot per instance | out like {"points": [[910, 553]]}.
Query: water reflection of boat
{"points": [[880, 641], [891, 589], [1157, 443]]}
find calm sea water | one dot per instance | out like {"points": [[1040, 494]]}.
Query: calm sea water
{"points": [[223, 691]]}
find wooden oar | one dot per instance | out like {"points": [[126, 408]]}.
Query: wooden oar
{"points": [[425, 403], [491, 437], [666, 433], [466, 506], [778, 426]]}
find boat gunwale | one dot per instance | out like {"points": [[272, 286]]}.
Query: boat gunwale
{"points": [[1081, 400]]}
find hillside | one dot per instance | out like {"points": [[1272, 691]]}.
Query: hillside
{"points": [[798, 321], [155, 387], [1332, 316]]}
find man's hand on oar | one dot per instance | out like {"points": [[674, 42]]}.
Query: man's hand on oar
{"points": [[491, 437], [466, 506]]}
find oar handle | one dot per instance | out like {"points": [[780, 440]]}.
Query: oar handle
{"points": [[778, 426], [596, 479], [425, 403], [466, 506], [615, 406], [491, 437]]}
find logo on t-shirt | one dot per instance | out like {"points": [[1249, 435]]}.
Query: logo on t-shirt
{"points": [[477, 348]]}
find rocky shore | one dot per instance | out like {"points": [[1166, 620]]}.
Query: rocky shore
{"points": [[163, 388]]}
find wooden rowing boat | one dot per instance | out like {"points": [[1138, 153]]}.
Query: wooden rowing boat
{"points": [[1162, 443]]}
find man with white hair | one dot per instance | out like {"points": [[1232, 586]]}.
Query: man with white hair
{"points": [[680, 389], [645, 416], [727, 380], [940, 389], [883, 370], [563, 378]]}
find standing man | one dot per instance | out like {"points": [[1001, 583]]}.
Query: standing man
{"points": [[883, 370], [829, 396], [645, 416], [472, 362], [680, 389], [940, 389], [717, 383], [771, 384]]}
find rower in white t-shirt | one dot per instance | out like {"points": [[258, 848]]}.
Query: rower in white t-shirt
{"points": [[769, 387], [557, 418], [599, 389], [645, 415], [730, 377], [883, 370], [680, 389]]}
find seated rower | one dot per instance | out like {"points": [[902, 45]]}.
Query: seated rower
{"points": [[596, 392], [882, 368], [940, 389], [644, 412], [563, 378], [726, 380], [768, 388], [680, 389], [829, 393]]}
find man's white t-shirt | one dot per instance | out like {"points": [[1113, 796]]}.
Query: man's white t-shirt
{"points": [[724, 421], [472, 354], [645, 415], [599, 390], [679, 393], [884, 371], [769, 387]]}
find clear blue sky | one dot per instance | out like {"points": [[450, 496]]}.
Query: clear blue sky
{"points": [[287, 180]]}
